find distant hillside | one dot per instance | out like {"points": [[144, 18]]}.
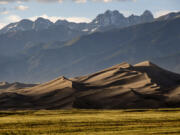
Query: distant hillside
{"points": [[170, 62], [143, 85], [172, 15], [89, 53]]}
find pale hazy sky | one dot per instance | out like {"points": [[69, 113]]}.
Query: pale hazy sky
{"points": [[79, 10]]}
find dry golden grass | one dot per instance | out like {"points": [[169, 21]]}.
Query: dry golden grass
{"points": [[90, 122]]}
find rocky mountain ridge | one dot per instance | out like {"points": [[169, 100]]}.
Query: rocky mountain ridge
{"points": [[107, 19]]}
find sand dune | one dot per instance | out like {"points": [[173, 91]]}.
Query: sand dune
{"points": [[16, 85], [143, 85]]}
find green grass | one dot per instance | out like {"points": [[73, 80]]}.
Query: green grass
{"points": [[90, 122]]}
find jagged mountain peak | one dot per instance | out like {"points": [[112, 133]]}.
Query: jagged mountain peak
{"points": [[147, 12], [61, 22], [112, 12], [42, 23], [25, 24], [132, 15], [109, 18], [41, 19], [147, 16], [115, 18], [25, 21], [22, 25]]}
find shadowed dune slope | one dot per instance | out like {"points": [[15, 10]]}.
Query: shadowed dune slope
{"points": [[143, 85]]}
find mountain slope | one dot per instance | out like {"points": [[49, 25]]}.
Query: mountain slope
{"points": [[14, 43], [26, 33], [15, 37], [143, 85], [172, 60], [90, 53], [172, 15]]}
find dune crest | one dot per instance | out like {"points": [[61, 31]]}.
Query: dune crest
{"points": [[16, 85], [143, 85], [145, 63]]}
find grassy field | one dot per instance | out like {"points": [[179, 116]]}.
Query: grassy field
{"points": [[90, 122]]}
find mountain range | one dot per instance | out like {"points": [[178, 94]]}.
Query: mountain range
{"points": [[24, 33], [107, 19], [143, 85], [41, 50]]}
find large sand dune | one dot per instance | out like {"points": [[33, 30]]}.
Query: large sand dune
{"points": [[143, 85]]}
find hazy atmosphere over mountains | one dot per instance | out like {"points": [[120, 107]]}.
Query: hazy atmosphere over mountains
{"points": [[40, 50]]}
